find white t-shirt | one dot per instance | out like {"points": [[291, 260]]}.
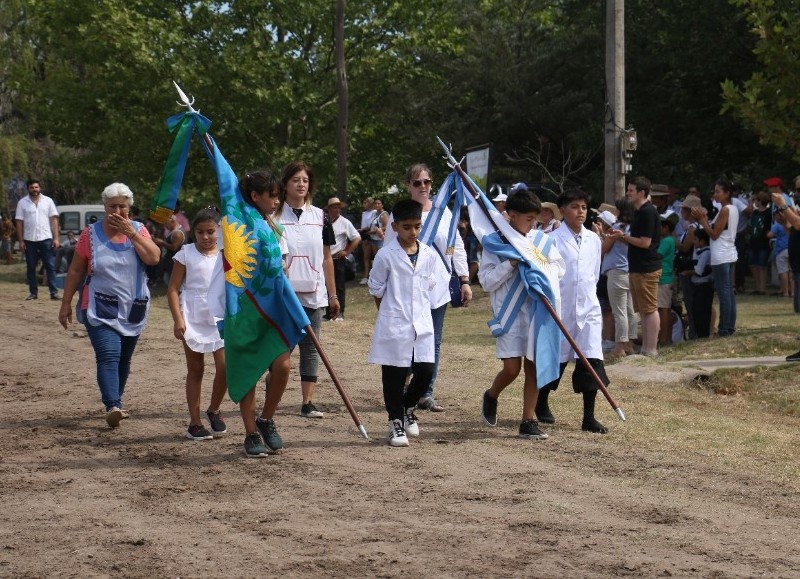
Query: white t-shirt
{"points": [[343, 232], [36, 218]]}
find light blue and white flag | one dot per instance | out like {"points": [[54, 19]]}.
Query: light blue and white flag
{"points": [[540, 267], [427, 234]]}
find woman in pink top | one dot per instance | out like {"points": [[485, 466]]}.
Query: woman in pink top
{"points": [[110, 258]]}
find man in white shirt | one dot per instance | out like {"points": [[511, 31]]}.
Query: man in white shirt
{"points": [[37, 232], [346, 240]]}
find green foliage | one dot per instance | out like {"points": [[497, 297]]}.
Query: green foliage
{"points": [[89, 105], [767, 101]]}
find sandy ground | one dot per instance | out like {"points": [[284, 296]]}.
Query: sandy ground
{"points": [[463, 500]]}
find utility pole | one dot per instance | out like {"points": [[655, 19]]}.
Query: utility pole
{"points": [[617, 141], [341, 70]]}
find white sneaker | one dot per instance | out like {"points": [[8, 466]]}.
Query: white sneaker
{"points": [[363, 281], [410, 424], [397, 435]]}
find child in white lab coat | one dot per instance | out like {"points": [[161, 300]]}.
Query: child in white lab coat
{"points": [[402, 277], [580, 308], [498, 276]]}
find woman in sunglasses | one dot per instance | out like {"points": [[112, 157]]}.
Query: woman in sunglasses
{"points": [[419, 181]]}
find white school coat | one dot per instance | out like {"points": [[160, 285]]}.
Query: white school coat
{"points": [[441, 295], [404, 328], [496, 276], [580, 308]]}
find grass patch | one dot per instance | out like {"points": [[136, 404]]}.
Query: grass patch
{"points": [[774, 388]]}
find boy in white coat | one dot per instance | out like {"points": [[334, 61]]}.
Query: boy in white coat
{"points": [[403, 274], [498, 276], [580, 308]]}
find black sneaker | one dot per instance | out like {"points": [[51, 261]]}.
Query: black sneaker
{"points": [[593, 426], [793, 358], [55, 297], [198, 432], [269, 433], [310, 411], [530, 429], [489, 409], [31, 297], [218, 427], [253, 447]]}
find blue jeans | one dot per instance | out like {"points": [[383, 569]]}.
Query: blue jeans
{"points": [[34, 251], [438, 326], [113, 353], [723, 284]]}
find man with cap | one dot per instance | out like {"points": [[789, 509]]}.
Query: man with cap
{"points": [[346, 239], [500, 202]]}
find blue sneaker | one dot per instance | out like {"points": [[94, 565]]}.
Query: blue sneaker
{"points": [[269, 433], [253, 447]]}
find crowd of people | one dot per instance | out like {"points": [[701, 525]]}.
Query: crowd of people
{"points": [[628, 277]]}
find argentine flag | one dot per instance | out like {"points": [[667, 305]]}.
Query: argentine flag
{"points": [[540, 268]]}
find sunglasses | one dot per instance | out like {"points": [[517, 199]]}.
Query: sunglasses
{"points": [[419, 182]]}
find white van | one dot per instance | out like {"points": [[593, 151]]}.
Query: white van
{"points": [[76, 217]]}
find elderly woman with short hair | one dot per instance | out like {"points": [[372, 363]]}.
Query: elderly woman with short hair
{"points": [[110, 257]]}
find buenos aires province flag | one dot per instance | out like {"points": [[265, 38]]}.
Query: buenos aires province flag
{"points": [[263, 317]]}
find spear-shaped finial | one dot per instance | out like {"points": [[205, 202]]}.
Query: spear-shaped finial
{"points": [[185, 101], [448, 153]]}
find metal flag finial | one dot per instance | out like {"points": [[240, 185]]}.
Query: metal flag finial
{"points": [[185, 101], [448, 153]]}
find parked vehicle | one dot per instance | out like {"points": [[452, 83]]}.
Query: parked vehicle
{"points": [[76, 217]]}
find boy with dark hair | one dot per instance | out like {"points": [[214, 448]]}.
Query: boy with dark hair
{"points": [[580, 308], [403, 274], [499, 276]]}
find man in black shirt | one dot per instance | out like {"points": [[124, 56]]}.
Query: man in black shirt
{"points": [[644, 263]]}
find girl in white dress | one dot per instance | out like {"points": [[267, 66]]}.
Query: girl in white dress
{"points": [[187, 296]]}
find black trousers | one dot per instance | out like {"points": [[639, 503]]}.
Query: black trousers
{"points": [[339, 266], [394, 381], [702, 300], [582, 379]]}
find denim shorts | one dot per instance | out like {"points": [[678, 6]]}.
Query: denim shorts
{"points": [[758, 257]]}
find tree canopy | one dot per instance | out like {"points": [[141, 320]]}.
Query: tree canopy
{"points": [[85, 88]]}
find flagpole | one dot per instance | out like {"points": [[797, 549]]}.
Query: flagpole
{"points": [[336, 382], [188, 103], [468, 183]]}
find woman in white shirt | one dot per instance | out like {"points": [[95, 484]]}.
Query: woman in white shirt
{"points": [[722, 233], [309, 267], [419, 182]]}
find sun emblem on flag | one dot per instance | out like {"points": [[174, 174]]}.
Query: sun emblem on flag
{"points": [[535, 254], [239, 252]]}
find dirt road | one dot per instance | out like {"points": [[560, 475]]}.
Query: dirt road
{"points": [[464, 500]]}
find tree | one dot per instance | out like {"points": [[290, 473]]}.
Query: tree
{"points": [[767, 101]]}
